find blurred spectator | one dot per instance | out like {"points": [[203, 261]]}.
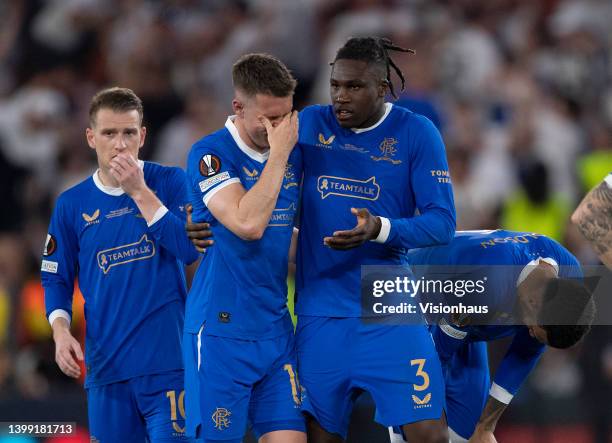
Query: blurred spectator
{"points": [[202, 116], [595, 164], [29, 120], [536, 208], [470, 55], [420, 94]]}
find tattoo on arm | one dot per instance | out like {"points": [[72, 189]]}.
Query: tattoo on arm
{"points": [[595, 221], [491, 414]]}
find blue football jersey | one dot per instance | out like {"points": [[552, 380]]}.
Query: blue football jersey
{"points": [[500, 256], [131, 275], [240, 290], [393, 169]]}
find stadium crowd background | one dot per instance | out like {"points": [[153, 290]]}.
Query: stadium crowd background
{"points": [[521, 90]]}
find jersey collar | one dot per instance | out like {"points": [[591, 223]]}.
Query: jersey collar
{"points": [[388, 107], [109, 189], [233, 130]]}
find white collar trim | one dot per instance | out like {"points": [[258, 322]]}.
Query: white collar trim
{"points": [[388, 107], [110, 190], [257, 156], [529, 267]]}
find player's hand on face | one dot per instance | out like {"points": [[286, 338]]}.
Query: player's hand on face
{"points": [[125, 169], [67, 350], [198, 233], [367, 228], [284, 135]]}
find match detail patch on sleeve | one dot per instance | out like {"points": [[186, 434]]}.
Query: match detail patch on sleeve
{"points": [[50, 245], [210, 165], [205, 185], [49, 266]]}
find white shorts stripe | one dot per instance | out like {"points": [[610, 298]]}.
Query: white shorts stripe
{"points": [[200, 346]]}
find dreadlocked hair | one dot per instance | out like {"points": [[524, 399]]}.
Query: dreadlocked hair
{"points": [[374, 50]]}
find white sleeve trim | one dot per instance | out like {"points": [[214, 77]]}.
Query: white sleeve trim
{"points": [[385, 229], [161, 211], [534, 264], [608, 180], [222, 185], [500, 394], [451, 331], [59, 313]]}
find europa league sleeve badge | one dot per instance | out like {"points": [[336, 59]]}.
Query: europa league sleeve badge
{"points": [[210, 164]]}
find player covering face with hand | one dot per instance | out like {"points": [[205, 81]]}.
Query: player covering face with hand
{"points": [[241, 367]]}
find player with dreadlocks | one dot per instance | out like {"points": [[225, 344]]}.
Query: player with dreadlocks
{"points": [[367, 161]]}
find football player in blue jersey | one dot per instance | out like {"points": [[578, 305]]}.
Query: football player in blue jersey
{"points": [[593, 217], [376, 163], [533, 293], [244, 180], [120, 233]]}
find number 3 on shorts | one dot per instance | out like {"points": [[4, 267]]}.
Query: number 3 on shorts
{"points": [[420, 373]]}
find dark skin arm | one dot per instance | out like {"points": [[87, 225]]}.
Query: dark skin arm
{"points": [[367, 228], [199, 233], [488, 421]]}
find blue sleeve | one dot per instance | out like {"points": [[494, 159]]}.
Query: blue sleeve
{"points": [[60, 260], [433, 194], [521, 358], [169, 231]]}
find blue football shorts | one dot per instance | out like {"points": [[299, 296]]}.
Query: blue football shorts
{"points": [[148, 408], [467, 382], [232, 384], [341, 357]]}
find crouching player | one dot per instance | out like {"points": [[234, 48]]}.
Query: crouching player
{"points": [[533, 292]]}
